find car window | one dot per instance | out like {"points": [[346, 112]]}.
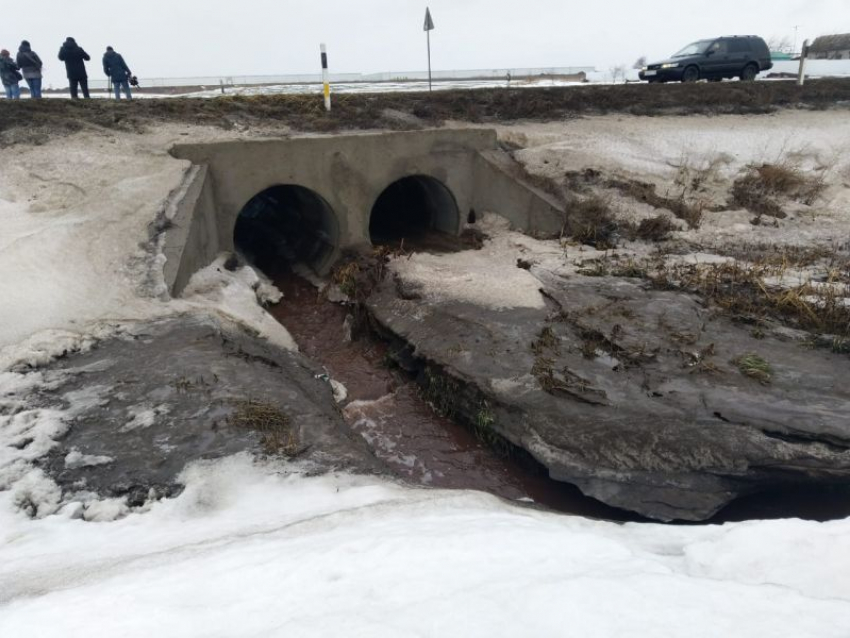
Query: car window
{"points": [[719, 47], [695, 48], [739, 46]]}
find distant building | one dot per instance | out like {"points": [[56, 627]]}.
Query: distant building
{"points": [[831, 47]]}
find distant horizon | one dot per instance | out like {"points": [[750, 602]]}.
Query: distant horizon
{"points": [[282, 37]]}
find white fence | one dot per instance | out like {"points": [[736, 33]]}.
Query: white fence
{"points": [[814, 68]]}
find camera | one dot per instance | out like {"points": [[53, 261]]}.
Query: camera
{"points": [[134, 81]]}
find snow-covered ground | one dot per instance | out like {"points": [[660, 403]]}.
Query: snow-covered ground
{"points": [[717, 149], [260, 550], [265, 549]]}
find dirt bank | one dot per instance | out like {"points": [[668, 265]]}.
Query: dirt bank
{"points": [[27, 122]]}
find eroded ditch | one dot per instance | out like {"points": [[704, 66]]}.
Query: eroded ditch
{"points": [[394, 414], [386, 406]]}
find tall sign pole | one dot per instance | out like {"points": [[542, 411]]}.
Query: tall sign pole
{"points": [[429, 26], [801, 77], [326, 85]]}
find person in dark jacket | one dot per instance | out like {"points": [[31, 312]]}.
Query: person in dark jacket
{"points": [[9, 76], [116, 69], [75, 59], [31, 67]]}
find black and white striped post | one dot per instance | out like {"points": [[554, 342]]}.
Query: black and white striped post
{"points": [[429, 26], [326, 78], [804, 53]]}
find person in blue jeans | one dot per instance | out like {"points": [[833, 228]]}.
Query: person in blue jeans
{"points": [[30, 65], [9, 76], [117, 70]]}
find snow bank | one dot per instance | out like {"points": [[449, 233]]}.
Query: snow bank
{"points": [[255, 550], [488, 277], [76, 254], [70, 254], [237, 295]]}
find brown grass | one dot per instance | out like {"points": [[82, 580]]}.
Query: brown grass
{"points": [[755, 367], [740, 290], [654, 229], [764, 189], [35, 123], [276, 433], [590, 221], [682, 206]]}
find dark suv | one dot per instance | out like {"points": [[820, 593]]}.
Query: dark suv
{"points": [[739, 56]]}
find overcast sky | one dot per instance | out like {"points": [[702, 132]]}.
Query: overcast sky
{"points": [[174, 38]]}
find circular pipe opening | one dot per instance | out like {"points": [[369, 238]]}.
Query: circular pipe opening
{"points": [[287, 224], [411, 208]]}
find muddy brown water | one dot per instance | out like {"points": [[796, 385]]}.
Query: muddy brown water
{"points": [[384, 405]]}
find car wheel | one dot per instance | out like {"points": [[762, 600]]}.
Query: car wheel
{"points": [[691, 74], [749, 73]]}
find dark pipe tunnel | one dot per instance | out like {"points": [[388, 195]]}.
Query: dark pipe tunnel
{"points": [[412, 207], [293, 224], [289, 224]]}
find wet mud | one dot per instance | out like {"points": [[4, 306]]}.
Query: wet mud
{"points": [[386, 407]]}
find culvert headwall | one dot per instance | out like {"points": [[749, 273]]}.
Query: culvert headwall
{"points": [[434, 178]]}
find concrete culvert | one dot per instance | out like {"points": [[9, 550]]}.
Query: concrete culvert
{"points": [[411, 208], [287, 224]]}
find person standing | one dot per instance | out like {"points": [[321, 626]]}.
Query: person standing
{"points": [[117, 70], [10, 76], [75, 59], [31, 66]]}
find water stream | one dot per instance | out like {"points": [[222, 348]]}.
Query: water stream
{"points": [[385, 406]]}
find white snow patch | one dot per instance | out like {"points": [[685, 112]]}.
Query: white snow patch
{"points": [[248, 550], [487, 277], [75, 460], [105, 510], [339, 390], [143, 416], [234, 294]]}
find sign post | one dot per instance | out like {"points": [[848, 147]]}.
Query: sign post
{"points": [[429, 26], [325, 78], [801, 78]]}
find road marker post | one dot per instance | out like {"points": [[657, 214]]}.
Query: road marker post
{"points": [[326, 83], [429, 26], [801, 78]]}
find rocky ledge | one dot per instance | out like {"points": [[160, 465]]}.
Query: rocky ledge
{"points": [[648, 400], [140, 407]]}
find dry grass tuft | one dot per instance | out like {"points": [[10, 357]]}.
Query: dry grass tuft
{"points": [[763, 189], [656, 228], [742, 292], [682, 206], [274, 427], [755, 367], [590, 221], [345, 276]]}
